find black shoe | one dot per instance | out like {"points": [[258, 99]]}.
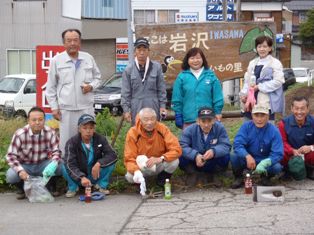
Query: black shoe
{"points": [[309, 171], [237, 183], [161, 178], [191, 180], [52, 186], [20, 194], [266, 181]]}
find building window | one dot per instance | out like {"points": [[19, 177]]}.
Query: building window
{"points": [[167, 16], [21, 61], [107, 3], [144, 17], [302, 16], [154, 16]]}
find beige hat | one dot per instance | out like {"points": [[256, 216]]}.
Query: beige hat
{"points": [[260, 109]]}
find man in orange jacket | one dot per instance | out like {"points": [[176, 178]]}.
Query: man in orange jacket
{"points": [[150, 149]]}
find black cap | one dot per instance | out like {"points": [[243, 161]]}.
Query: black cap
{"points": [[141, 42], [86, 118], [206, 113]]}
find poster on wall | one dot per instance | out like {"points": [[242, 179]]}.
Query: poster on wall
{"points": [[121, 54], [44, 54]]}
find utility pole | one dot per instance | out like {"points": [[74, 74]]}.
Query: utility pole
{"points": [[130, 33], [224, 10]]}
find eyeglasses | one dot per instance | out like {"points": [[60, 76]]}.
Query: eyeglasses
{"points": [[206, 112]]}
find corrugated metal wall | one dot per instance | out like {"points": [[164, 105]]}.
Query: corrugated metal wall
{"points": [[104, 9]]}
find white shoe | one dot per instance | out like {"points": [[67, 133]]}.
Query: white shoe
{"points": [[70, 194], [102, 190]]}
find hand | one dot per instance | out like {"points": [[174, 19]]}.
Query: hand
{"points": [[199, 160], [56, 114], [86, 88], [261, 167], [23, 175], [50, 169], [85, 182], [218, 117], [296, 152], [96, 171], [208, 155], [153, 161], [127, 117], [250, 162], [163, 113], [255, 87], [138, 177], [179, 120], [305, 149]]}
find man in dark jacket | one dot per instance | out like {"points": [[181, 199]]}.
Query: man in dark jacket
{"points": [[205, 145], [89, 159]]}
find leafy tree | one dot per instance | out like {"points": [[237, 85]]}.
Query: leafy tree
{"points": [[307, 29]]}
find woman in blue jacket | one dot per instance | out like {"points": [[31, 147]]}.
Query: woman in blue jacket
{"points": [[195, 87]]}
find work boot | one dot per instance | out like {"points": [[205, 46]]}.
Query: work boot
{"points": [[266, 181], [309, 171], [238, 179], [20, 194], [161, 178]]}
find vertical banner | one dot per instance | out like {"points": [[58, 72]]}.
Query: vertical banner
{"points": [[121, 54], [43, 56]]}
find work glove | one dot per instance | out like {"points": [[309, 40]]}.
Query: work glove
{"points": [[49, 170], [138, 177], [261, 167], [179, 120]]}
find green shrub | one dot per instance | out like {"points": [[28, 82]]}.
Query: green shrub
{"points": [[7, 130], [106, 124]]}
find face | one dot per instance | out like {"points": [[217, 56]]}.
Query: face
{"points": [[87, 131], [300, 110], [260, 119], [263, 49], [36, 121], [206, 124], [195, 62], [148, 121], [72, 43], [141, 53]]}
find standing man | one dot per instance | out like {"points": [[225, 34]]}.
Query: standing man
{"points": [[297, 132], [257, 147], [33, 151], [205, 145], [72, 77], [143, 84]]}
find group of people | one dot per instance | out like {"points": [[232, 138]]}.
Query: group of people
{"points": [[84, 158]]}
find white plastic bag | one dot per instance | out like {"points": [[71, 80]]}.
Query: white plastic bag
{"points": [[36, 191]]}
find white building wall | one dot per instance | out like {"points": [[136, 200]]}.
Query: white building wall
{"points": [[181, 5]]}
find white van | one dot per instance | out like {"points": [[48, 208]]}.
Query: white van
{"points": [[17, 94]]}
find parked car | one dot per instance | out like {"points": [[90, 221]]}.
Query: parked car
{"points": [[289, 78], [17, 94], [109, 95], [303, 75]]}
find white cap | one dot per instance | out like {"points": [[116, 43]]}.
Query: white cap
{"points": [[141, 161]]}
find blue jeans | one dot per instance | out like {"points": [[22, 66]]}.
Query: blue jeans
{"points": [[239, 164], [209, 166], [12, 176], [102, 181]]}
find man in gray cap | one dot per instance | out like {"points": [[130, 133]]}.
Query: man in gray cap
{"points": [[143, 84], [89, 159], [257, 147]]}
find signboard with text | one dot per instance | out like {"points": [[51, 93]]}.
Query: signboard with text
{"points": [[43, 56], [121, 54], [185, 17], [228, 47]]}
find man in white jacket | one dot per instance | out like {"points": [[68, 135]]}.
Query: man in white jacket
{"points": [[72, 76]]}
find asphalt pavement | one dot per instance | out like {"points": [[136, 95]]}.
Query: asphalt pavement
{"points": [[198, 211]]}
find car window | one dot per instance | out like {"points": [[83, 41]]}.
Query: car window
{"points": [[30, 86], [11, 85], [117, 82], [300, 73]]}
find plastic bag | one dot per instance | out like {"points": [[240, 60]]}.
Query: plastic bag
{"points": [[36, 191]]}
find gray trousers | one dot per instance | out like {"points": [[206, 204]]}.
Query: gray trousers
{"points": [[68, 124], [169, 167]]}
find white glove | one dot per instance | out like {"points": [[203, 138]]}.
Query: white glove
{"points": [[138, 177]]}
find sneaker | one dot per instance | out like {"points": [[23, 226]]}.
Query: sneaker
{"points": [[20, 195], [102, 190], [70, 194]]}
